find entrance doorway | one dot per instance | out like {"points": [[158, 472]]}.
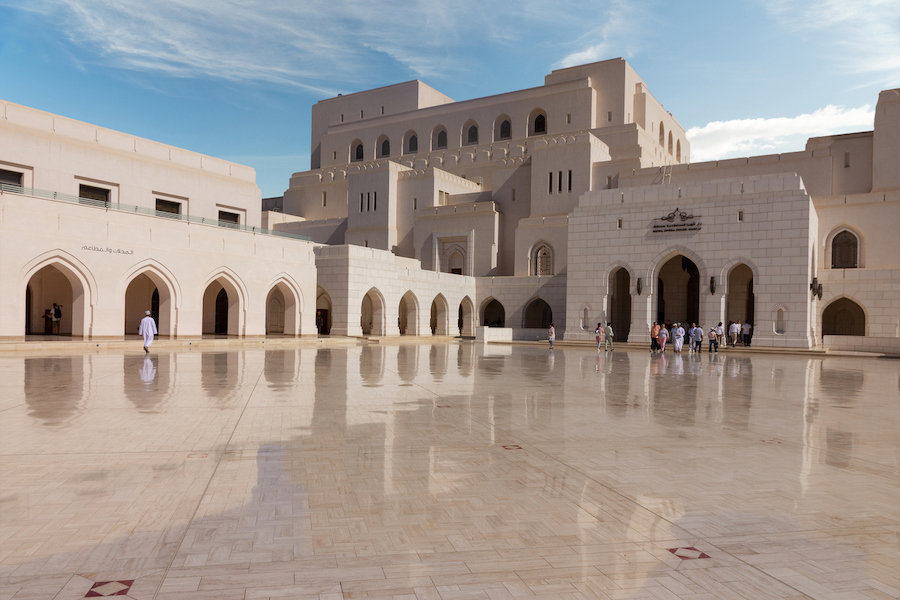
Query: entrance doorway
{"points": [[620, 303], [678, 291]]}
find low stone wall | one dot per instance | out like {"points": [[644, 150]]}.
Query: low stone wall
{"points": [[859, 343], [493, 334]]}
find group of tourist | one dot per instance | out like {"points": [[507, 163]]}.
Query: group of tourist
{"points": [[661, 333]]}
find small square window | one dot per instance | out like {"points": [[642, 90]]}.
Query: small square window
{"points": [[167, 208], [229, 219], [88, 194], [10, 178]]}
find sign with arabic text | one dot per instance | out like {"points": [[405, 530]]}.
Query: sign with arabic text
{"points": [[677, 221]]}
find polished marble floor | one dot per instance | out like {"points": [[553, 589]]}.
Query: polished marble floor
{"points": [[448, 471]]}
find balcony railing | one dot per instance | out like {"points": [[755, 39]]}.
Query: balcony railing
{"points": [[7, 188]]}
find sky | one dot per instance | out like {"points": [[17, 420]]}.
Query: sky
{"points": [[237, 79]]}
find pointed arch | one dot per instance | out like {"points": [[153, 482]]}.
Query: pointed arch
{"points": [[372, 313], [844, 248], [537, 314], [670, 142], [537, 122], [291, 307], [78, 319], [469, 133], [440, 317], [466, 317], [383, 147], [408, 314], [357, 151], [169, 291], [439, 138], [324, 311], [662, 135], [233, 303], [678, 150], [540, 259], [410, 142], [493, 314], [844, 316], [502, 128]]}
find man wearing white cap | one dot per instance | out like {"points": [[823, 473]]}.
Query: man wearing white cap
{"points": [[147, 330]]}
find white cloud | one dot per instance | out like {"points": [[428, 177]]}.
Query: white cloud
{"points": [[606, 40], [862, 36], [748, 137]]}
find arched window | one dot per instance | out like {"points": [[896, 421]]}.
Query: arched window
{"points": [[505, 130], [384, 147], [845, 251], [670, 142], [540, 124], [472, 134], [412, 145], [358, 152], [543, 261], [662, 135], [678, 151], [439, 138]]}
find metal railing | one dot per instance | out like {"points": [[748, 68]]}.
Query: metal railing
{"points": [[7, 188]]}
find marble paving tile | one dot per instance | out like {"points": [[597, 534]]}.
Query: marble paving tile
{"points": [[439, 471]]}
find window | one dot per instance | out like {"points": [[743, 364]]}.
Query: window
{"points": [[360, 114], [413, 144], [740, 216], [609, 116], [382, 110], [609, 182], [167, 208], [374, 200], [678, 151], [568, 118], [229, 219], [324, 199], [358, 152], [415, 203], [570, 180], [540, 124], [670, 142], [662, 134], [472, 134], [89, 194], [559, 183], [440, 140], [360, 202], [618, 223], [342, 117], [847, 159], [514, 194], [845, 251], [10, 178], [550, 183], [543, 261], [386, 148], [505, 130]]}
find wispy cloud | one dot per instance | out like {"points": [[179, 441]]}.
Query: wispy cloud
{"points": [[311, 45], [747, 137], [606, 40], [861, 37]]}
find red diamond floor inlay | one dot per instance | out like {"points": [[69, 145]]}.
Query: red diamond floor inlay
{"points": [[688, 553], [102, 589]]}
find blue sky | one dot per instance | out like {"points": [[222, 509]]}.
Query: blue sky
{"points": [[237, 79]]}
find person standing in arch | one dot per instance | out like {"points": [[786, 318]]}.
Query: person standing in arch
{"points": [[608, 337], [57, 317], [147, 330]]}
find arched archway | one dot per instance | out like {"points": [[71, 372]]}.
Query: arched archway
{"points": [[148, 290], [537, 314], [843, 317], [469, 133], [466, 318], [740, 304], [372, 313], [678, 291], [502, 128], [323, 311], [222, 308], [620, 303], [283, 309], [439, 138], [408, 314], [357, 152], [57, 283], [537, 122], [493, 314], [439, 316]]}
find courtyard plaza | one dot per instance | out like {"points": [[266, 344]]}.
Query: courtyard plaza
{"points": [[446, 471]]}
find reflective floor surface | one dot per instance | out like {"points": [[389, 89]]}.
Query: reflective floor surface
{"points": [[450, 471]]}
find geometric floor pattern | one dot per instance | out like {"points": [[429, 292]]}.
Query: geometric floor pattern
{"points": [[448, 471]]}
